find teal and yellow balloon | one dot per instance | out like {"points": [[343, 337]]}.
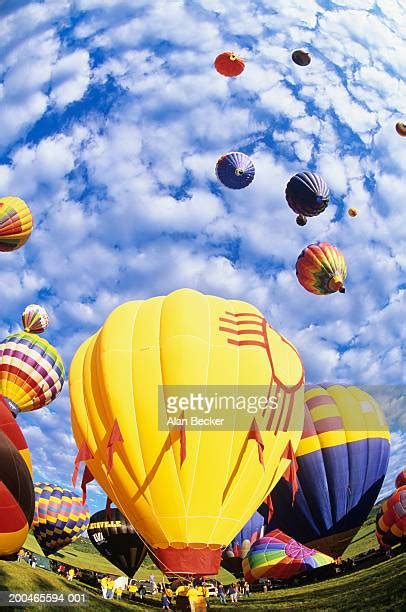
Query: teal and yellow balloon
{"points": [[60, 517]]}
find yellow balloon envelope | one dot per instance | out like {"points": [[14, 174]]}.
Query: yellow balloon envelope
{"points": [[180, 486]]}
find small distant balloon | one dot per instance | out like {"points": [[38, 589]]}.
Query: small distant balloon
{"points": [[35, 319], [352, 212], [307, 194], [321, 269], [401, 128], [301, 58], [15, 223], [235, 170], [229, 64]]}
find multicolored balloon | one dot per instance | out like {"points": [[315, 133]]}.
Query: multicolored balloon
{"points": [[31, 371], [235, 170], [400, 479], [277, 555], [16, 497], [15, 223], [235, 552], [401, 128], [391, 519], [60, 517], [307, 195], [161, 476], [35, 319], [116, 539], [229, 64], [342, 461], [321, 269], [301, 58], [9, 426]]}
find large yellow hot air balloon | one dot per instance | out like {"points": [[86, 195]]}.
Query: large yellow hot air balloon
{"points": [[182, 487]]}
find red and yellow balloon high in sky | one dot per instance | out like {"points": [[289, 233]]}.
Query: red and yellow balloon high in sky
{"points": [[182, 489]]}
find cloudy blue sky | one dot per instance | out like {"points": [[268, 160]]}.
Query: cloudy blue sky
{"points": [[112, 119]]}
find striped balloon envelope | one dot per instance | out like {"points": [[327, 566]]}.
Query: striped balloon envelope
{"points": [[391, 519], [400, 479], [31, 371], [277, 555], [321, 269], [16, 497], [9, 426], [342, 461], [35, 319], [235, 170], [15, 223], [60, 517], [307, 194]]}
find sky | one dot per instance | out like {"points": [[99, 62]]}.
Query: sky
{"points": [[112, 120]]}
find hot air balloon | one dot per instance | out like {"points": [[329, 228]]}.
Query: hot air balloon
{"points": [[235, 552], [60, 517], [35, 319], [16, 498], [301, 58], [156, 468], [352, 212], [15, 223], [235, 170], [9, 426], [31, 372], [400, 479], [391, 519], [277, 555], [401, 128], [307, 195], [116, 539], [321, 269], [342, 461], [228, 64]]}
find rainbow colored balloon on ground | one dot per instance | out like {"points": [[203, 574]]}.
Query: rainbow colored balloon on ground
{"points": [[277, 555]]}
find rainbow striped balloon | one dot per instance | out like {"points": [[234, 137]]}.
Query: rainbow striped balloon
{"points": [[391, 519], [35, 319], [60, 517], [277, 555], [31, 371], [321, 269], [15, 223]]}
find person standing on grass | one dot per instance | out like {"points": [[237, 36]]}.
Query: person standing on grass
{"points": [[71, 574], [33, 561], [104, 583], [246, 589], [222, 594]]}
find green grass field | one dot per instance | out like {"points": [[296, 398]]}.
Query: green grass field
{"points": [[374, 588]]}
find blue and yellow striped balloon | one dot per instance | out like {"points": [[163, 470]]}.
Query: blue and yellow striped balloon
{"points": [[60, 517], [342, 461]]}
